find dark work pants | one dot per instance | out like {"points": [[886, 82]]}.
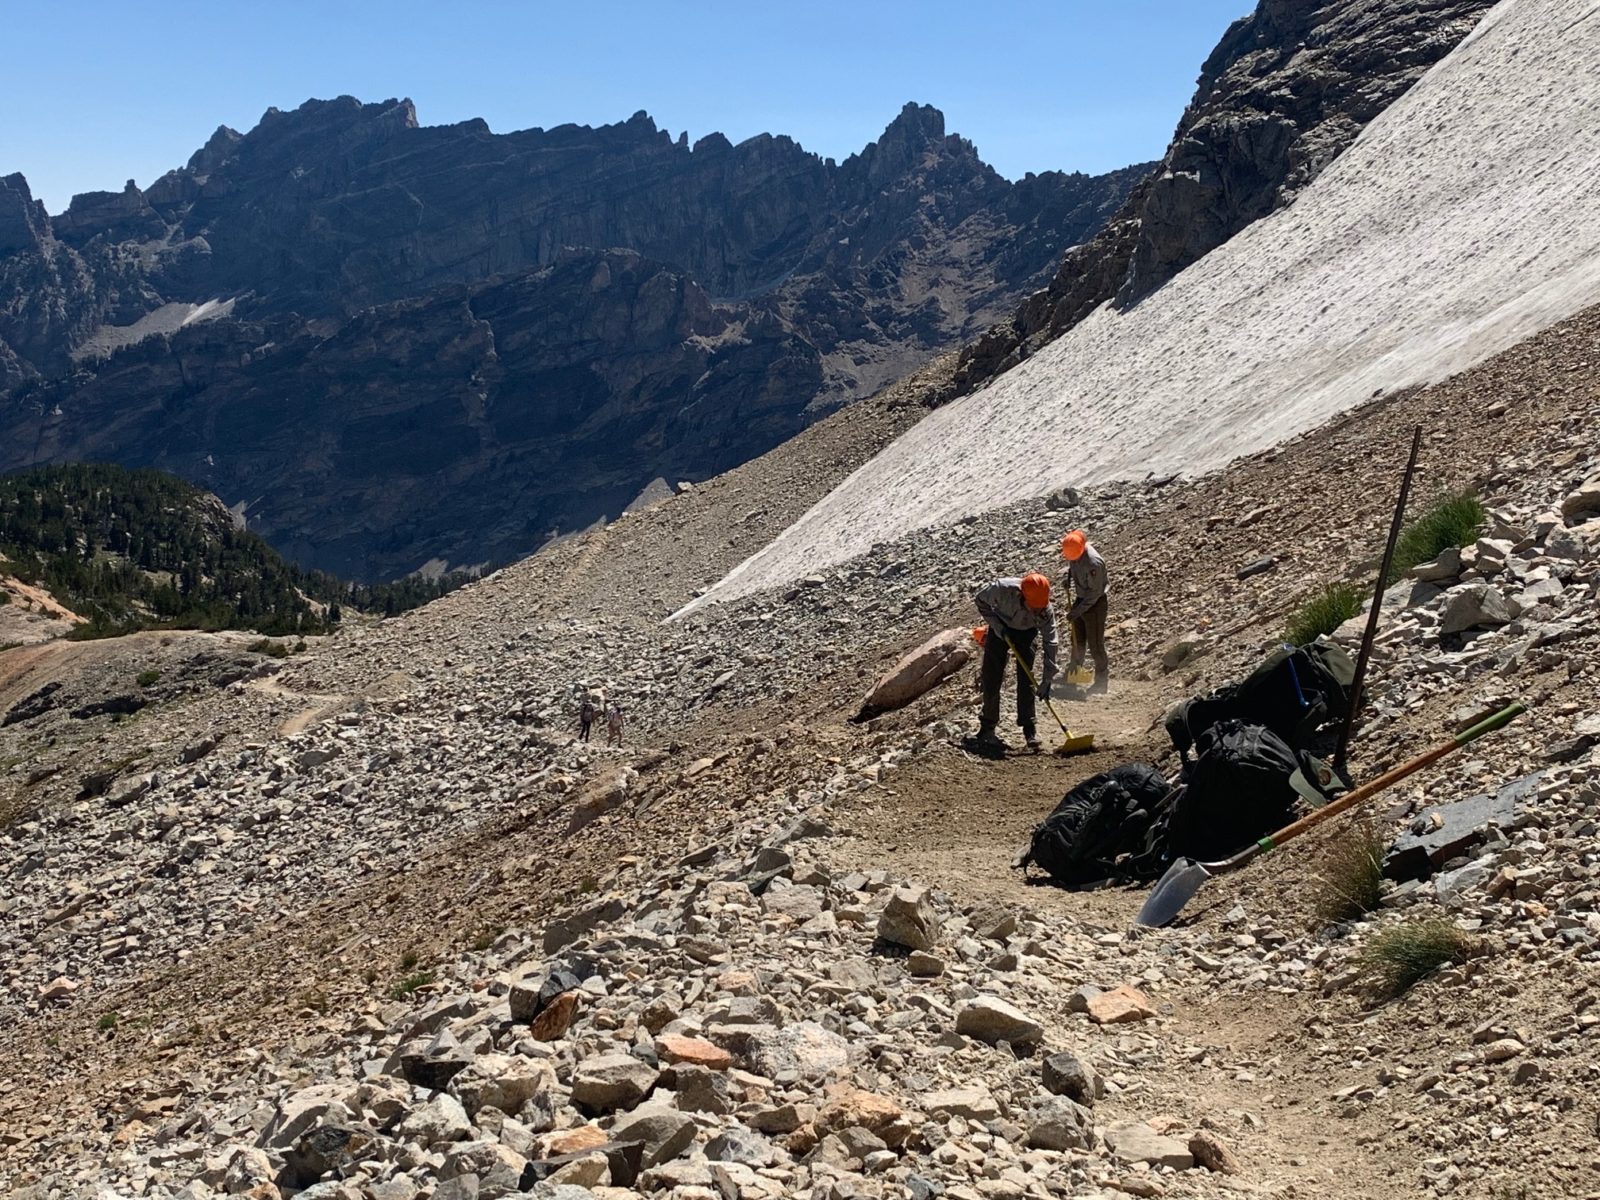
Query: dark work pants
{"points": [[993, 676], [1089, 633]]}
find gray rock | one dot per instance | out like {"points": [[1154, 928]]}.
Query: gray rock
{"points": [[909, 920], [1445, 568], [1475, 607], [608, 1082], [665, 1132], [1137, 1142], [1582, 504], [992, 1020], [1060, 1124], [738, 1145], [441, 1119], [1064, 1074], [805, 1048]]}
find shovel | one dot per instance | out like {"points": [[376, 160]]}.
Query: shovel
{"points": [[1184, 877], [1076, 743]]}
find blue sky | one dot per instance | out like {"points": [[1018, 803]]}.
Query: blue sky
{"points": [[97, 92]]}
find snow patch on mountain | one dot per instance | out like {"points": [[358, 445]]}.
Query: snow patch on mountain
{"points": [[1462, 221]]}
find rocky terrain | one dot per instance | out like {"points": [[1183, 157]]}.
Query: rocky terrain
{"points": [[393, 343], [369, 922], [1287, 89]]}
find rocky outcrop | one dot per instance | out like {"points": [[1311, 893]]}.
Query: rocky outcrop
{"points": [[1284, 93], [352, 247]]}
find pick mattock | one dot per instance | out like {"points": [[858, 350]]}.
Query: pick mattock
{"points": [[1076, 743]]}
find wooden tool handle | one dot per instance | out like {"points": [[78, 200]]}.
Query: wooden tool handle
{"points": [[1389, 778]]}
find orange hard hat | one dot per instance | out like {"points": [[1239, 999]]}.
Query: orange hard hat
{"points": [[1073, 545], [1035, 590], [979, 632]]}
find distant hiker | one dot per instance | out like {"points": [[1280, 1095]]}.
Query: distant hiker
{"points": [[1015, 610], [585, 720], [1086, 575], [614, 722]]}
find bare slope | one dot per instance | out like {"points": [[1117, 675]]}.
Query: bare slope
{"points": [[1461, 221]]}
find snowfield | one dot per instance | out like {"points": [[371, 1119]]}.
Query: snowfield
{"points": [[1463, 220]]}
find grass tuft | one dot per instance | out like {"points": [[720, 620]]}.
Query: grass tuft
{"points": [[1323, 613], [147, 678], [1453, 519], [1351, 884], [410, 984], [107, 1022], [1402, 956]]}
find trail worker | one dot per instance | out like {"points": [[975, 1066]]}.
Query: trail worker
{"points": [[1086, 576], [1015, 611]]}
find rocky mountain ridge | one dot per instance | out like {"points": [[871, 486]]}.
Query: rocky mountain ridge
{"points": [[686, 307]]}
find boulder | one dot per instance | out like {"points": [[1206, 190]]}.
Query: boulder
{"points": [[1445, 568], [1212, 1153], [1119, 1006], [938, 658], [441, 1119], [1060, 1124], [1137, 1142], [805, 1048], [993, 1020], [973, 1103], [1065, 1074], [1582, 504], [1475, 607], [607, 1082], [678, 1049], [501, 1081], [609, 792], [909, 920], [665, 1132]]}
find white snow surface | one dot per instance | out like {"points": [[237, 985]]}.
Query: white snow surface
{"points": [[1463, 220]]}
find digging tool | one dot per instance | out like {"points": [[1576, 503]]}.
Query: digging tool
{"points": [[1343, 751], [1076, 743], [1185, 876]]}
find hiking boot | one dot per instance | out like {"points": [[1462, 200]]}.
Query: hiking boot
{"points": [[1032, 738], [1100, 686], [988, 742]]}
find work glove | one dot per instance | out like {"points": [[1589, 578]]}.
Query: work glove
{"points": [[1044, 688]]}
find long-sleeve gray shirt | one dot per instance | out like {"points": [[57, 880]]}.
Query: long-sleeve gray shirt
{"points": [[1087, 575], [1002, 606]]}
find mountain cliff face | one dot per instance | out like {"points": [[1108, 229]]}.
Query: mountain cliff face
{"points": [[1284, 93], [397, 344]]}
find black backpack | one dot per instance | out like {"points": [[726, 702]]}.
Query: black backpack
{"points": [[1237, 790], [1104, 817], [1295, 693]]}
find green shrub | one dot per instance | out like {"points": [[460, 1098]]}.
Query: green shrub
{"points": [[106, 1023], [410, 984], [1400, 957], [1351, 884], [1451, 520], [408, 960], [5, 599], [1323, 613], [147, 678]]}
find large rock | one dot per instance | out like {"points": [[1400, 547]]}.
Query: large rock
{"points": [[664, 1132], [1120, 1005], [804, 1049], [918, 673], [607, 793], [908, 919], [1137, 1142], [607, 1082], [1060, 1124], [1065, 1074], [990, 1019], [441, 1119], [1480, 606], [501, 1081], [1582, 504], [973, 1103]]}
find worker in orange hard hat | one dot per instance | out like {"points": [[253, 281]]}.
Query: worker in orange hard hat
{"points": [[1086, 578], [1014, 612]]}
